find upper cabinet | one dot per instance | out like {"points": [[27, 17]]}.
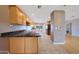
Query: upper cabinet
{"points": [[24, 19], [12, 14], [17, 17]]}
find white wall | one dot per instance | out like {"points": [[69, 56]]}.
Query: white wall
{"points": [[4, 27], [4, 21], [75, 27], [58, 22], [20, 27]]}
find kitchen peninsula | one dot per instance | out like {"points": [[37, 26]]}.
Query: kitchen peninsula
{"points": [[21, 42]]}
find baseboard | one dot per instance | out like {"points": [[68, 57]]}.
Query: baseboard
{"points": [[59, 43], [4, 52], [75, 36]]}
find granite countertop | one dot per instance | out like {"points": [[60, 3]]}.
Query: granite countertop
{"points": [[20, 34]]}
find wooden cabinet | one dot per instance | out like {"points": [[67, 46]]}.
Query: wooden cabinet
{"points": [[31, 45], [19, 17], [27, 45], [13, 14], [16, 44], [27, 23], [4, 45], [24, 19], [16, 15]]}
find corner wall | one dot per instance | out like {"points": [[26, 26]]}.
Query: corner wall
{"points": [[75, 27]]}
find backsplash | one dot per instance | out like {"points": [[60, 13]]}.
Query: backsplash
{"points": [[4, 27], [17, 27]]}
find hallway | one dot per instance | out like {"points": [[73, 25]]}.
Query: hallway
{"points": [[46, 46]]}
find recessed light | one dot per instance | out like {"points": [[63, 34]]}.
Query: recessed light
{"points": [[49, 8], [33, 14]]}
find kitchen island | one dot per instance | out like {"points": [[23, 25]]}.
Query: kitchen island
{"points": [[22, 42]]}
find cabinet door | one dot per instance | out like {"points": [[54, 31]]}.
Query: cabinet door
{"points": [[24, 20], [16, 45], [31, 44], [19, 16], [13, 14]]}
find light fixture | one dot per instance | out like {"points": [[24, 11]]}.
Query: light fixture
{"points": [[33, 14]]}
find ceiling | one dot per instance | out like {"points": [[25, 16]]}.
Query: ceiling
{"points": [[43, 14]]}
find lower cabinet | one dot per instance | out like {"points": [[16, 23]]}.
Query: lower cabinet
{"points": [[16, 45], [21, 45], [4, 45], [31, 45]]}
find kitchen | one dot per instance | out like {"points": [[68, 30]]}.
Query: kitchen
{"points": [[14, 36], [39, 29], [19, 34]]}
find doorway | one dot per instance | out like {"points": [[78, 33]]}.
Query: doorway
{"points": [[69, 28]]}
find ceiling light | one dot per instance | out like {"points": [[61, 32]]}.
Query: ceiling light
{"points": [[33, 14], [49, 8]]}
